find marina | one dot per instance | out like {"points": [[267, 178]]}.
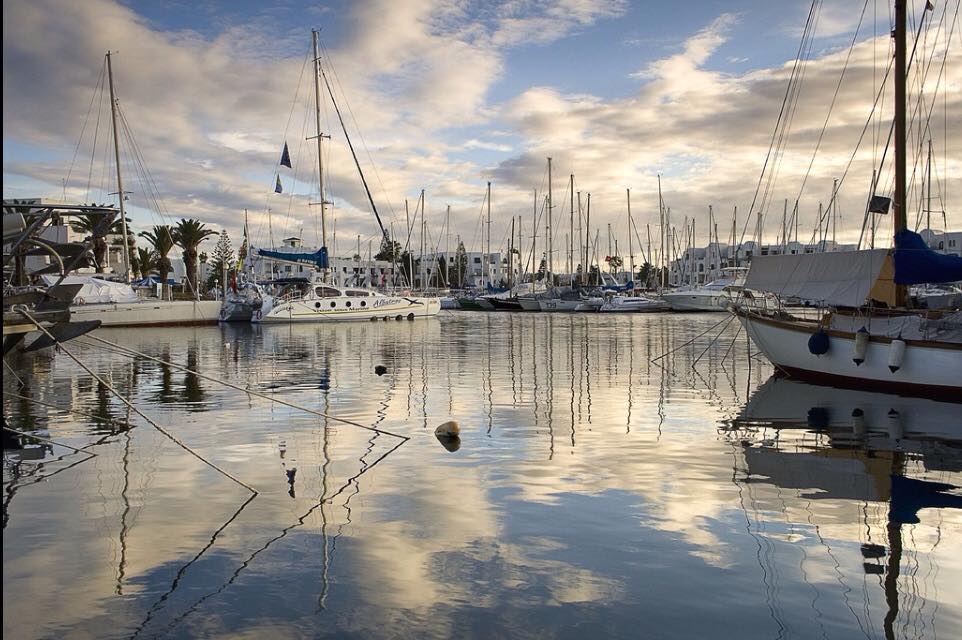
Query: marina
{"points": [[416, 324]]}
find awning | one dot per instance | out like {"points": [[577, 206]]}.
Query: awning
{"points": [[841, 278]]}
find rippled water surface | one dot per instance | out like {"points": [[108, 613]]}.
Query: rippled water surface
{"points": [[618, 476]]}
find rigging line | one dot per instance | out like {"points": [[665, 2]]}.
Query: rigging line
{"points": [[120, 396], [831, 105], [781, 112], [337, 80], [357, 163], [93, 148], [97, 89], [134, 352]]}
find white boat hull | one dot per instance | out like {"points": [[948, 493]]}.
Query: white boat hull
{"points": [[343, 309], [149, 313], [928, 368], [694, 301]]}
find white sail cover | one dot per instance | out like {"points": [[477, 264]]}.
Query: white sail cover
{"points": [[95, 290], [842, 278]]}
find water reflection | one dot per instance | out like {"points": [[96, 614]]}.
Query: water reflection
{"points": [[612, 474]]}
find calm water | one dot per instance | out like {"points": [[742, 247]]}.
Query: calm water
{"points": [[595, 492]]}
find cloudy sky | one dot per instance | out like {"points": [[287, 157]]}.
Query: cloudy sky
{"points": [[445, 96]]}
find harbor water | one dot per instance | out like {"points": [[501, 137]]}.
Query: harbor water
{"points": [[627, 476]]}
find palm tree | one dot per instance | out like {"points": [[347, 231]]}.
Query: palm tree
{"points": [[87, 223], [161, 238], [188, 234], [146, 261]]}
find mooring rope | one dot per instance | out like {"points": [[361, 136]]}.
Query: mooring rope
{"points": [[129, 405]]}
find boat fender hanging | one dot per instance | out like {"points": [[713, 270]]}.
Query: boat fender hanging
{"points": [[818, 343], [858, 423], [896, 430], [896, 354], [861, 346]]}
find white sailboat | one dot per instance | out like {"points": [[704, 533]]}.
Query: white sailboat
{"points": [[713, 296], [321, 301], [867, 336]]}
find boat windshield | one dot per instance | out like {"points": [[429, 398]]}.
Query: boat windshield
{"points": [[326, 292]]}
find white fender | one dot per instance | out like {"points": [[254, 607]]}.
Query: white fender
{"points": [[896, 354], [896, 429], [858, 423], [861, 346]]}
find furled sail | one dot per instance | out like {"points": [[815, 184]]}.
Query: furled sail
{"points": [[915, 263], [843, 278]]}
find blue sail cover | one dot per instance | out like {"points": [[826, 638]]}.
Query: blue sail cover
{"points": [[317, 259], [915, 263], [628, 286]]}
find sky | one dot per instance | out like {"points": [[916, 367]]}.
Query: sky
{"points": [[446, 96]]}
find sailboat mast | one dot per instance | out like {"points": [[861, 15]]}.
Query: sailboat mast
{"points": [[487, 256], [320, 137], [571, 231], [900, 209], [120, 182], [511, 256], [631, 255], [550, 231], [661, 222]]}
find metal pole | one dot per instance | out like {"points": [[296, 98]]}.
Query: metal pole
{"points": [[320, 137], [120, 182]]}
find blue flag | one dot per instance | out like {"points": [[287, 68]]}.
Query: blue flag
{"points": [[285, 157], [277, 186]]}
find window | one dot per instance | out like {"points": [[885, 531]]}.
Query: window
{"points": [[287, 268], [357, 293], [477, 261], [326, 292]]}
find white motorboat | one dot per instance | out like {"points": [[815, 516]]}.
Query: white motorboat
{"points": [[709, 297], [320, 302], [633, 304]]}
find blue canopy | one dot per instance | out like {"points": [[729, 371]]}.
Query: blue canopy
{"points": [[317, 259], [628, 286], [149, 281], [915, 263], [493, 289]]}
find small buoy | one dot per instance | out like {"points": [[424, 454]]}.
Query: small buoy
{"points": [[818, 344], [896, 354], [449, 429], [380, 369], [861, 346], [858, 423]]}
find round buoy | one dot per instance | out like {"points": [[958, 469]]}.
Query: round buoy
{"points": [[818, 343], [450, 429], [380, 369], [861, 346]]}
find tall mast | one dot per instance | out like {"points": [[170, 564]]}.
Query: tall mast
{"points": [[631, 256], [550, 231], [571, 232], [587, 238], [487, 257], [120, 182], [661, 218], [900, 134], [319, 137], [534, 238], [511, 255], [928, 180]]}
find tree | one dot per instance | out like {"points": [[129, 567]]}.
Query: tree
{"points": [[441, 273], [460, 266], [542, 270], [188, 234], [222, 259], [645, 274], [89, 224], [146, 262], [390, 251], [161, 238]]}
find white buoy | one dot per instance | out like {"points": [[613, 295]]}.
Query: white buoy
{"points": [[896, 354], [861, 346], [449, 429]]}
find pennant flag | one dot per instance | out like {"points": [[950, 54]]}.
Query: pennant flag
{"points": [[277, 187], [879, 204], [285, 157]]}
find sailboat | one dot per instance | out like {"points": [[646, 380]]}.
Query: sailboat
{"points": [[868, 337], [321, 300]]}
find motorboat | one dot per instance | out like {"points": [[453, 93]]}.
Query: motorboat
{"points": [[320, 302]]}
